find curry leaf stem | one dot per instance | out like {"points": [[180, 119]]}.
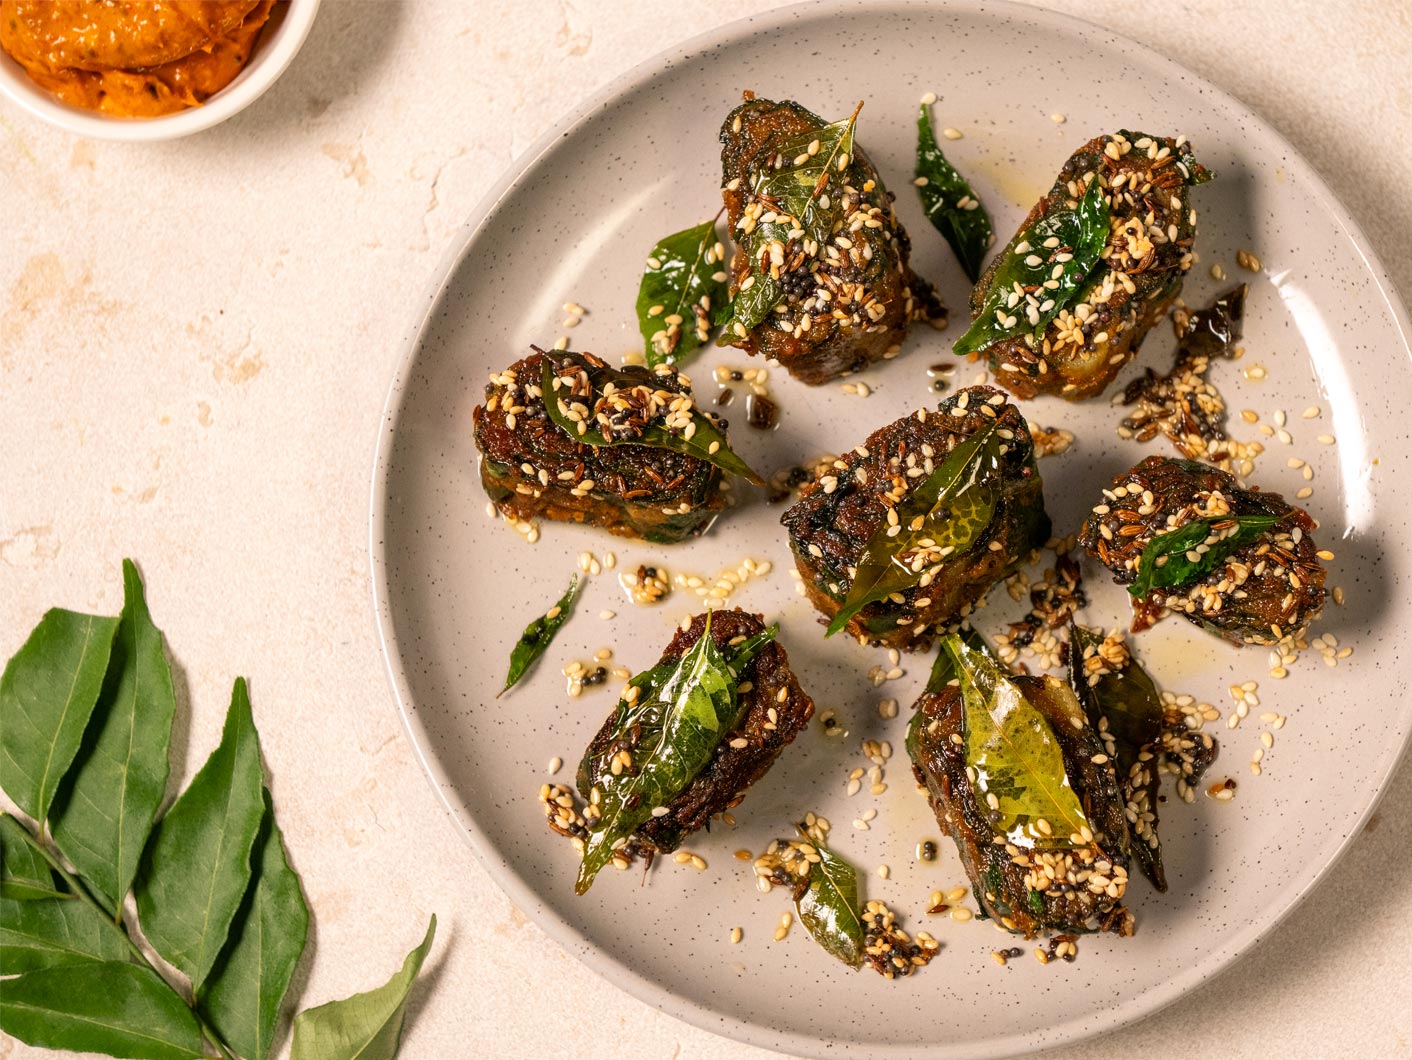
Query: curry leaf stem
{"points": [[114, 921]]}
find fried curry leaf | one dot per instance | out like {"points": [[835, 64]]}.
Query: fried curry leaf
{"points": [[1189, 553], [804, 194], [829, 908], [944, 666], [538, 634], [705, 443], [1127, 698], [683, 294], [949, 202], [950, 510], [1017, 762], [1052, 258], [814, 162], [1125, 702], [682, 712], [751, 305]]}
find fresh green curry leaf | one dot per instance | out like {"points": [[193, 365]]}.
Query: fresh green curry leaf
{"points": [[1018, 764], [24, 875], [113, 1008], [246, 987], [941, 518], [1049, 261], [197, 865], [42, 926], [365, 1026], [949, 202], [1189, 553], [683, 294], [683, 710], [47, 694], [829, 907], [105, 808], [538, 634], [706, 442]]}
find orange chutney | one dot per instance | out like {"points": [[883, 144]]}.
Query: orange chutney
{"points": [[132, 58]]}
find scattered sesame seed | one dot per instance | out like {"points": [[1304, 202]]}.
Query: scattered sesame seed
{"points": [[951, 134], [1248, 261], [929, 99]]}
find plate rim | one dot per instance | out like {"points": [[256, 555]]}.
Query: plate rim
{"points": [[614, 971]]}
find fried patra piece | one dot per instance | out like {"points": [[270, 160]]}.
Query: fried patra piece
{"points": [[1070, 334], [829, 292], [532, 468], [772, 711], [923, 569], [1186, 537], [1030, 873]]}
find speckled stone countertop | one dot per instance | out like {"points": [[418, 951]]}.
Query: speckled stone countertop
{"points": [[195, 344]]}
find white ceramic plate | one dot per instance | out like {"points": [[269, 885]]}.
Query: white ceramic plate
{"points": [[453, 587]]}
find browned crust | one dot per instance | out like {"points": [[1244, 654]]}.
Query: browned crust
{"points": [[840, 522], [834, 345], [768, 724], [1077, 371]]}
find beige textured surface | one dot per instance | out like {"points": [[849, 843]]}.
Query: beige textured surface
{"points": [[195, 341]]}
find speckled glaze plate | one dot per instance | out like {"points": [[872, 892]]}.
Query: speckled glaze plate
{"points": [[453, 587]]}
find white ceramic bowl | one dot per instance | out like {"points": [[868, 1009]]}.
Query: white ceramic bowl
{"points": [[282, 38]]}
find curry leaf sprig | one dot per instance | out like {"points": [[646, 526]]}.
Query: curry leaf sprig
{"points": [[535, 640], [683, 296], [88, 706], [1185, 555], [1052, 258], [950, 203]]}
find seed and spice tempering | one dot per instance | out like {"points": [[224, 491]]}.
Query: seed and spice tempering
{"points": [[1183, 404], [828, 263], [1267, 587]]}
